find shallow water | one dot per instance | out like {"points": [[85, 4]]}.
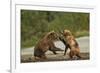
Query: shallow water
{"points": [[82, 41]]}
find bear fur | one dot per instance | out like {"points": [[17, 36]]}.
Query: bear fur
{"points": [[72, 43], [45, 44]]}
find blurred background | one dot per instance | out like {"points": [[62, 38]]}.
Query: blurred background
{"points": [[35, 24]]}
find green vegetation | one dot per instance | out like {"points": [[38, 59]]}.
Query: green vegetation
{"points": [[35, 24]]}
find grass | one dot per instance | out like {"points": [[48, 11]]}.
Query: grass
{"points": [[34, 24], [81, 33], [29, 43]]}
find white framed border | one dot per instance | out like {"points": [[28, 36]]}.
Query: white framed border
{"points": [[17, 66]]}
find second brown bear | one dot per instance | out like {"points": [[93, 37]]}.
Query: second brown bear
{"points": [[73, 45]]}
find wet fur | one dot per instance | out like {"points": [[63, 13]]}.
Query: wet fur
{"points": [[72, 44], [45, 44]]}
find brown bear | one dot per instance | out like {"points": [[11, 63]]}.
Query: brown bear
{"points": [[72, 43], [45, 44]]}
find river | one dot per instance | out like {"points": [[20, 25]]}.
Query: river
{"points": [[82, 41]]}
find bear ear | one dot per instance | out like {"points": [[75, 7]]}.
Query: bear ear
{"points": [[67, 32], [52, 32]]}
